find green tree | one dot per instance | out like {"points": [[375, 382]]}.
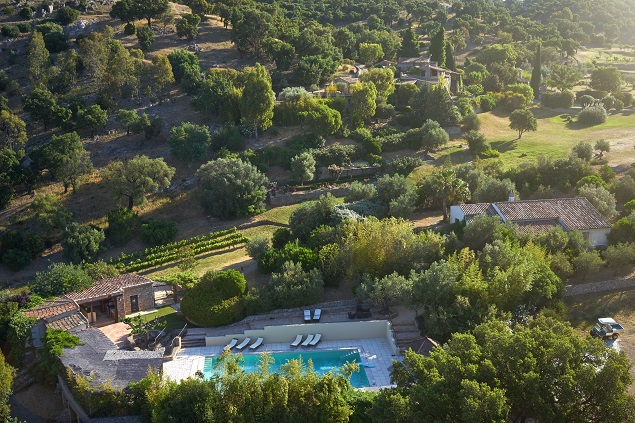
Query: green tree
{"points": [[295, 287], [92, 118], [363, 103], [6, 379], [322, 120], [281, 52], [303, 167], [602, 146], [437, 47], [583, 150], [82, 243], [183, 62], [145, 35], [37, 60], [492, 190], [370, 53], [124, 10], [232, 188], [187, 26], [522, 120], [162, 75], [601, 199], [122, 226], [41, 105], [250, 29], [563, 77], [50, 214], [189, 142], [256, 106], [67, 159], [409, 43], [135, 178], [536, 74], [450, 188], [384, 81], [61, 278], [606, 78], [151, 9], [13, 133], [386, 291], [130, 119]]}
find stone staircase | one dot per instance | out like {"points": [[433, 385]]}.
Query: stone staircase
{"points": [[405, 332], [192, 341]]}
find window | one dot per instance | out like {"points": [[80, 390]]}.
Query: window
{"points": [[134, 303]]}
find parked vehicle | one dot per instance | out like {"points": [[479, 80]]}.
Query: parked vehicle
{"points": [[606, 327]]}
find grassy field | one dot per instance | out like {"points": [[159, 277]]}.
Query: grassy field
{"points": [[166, 316], [554, 138]]}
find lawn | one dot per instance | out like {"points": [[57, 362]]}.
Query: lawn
{"points": [[554, 138], [167, 316]]}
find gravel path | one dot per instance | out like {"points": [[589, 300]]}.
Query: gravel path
{"points": [[603, 286]]}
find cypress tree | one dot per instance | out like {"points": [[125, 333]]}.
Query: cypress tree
{"points": [[409, 43], [449, 56], [536, 75], [437, 47]]}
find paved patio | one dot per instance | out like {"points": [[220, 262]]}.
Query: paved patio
{"points": [[117, 333], [375, 351]]}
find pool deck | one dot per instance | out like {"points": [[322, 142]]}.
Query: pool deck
{"points": [[375, 351]]}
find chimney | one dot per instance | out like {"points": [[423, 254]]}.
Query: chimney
{"points": [[512, 197]]}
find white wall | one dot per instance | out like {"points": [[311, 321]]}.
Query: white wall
{"points": [[598, 237], [456, 213], [330, 332]]}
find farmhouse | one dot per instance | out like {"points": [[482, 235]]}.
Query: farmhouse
{"points": [[541, 215], [424, 71]]}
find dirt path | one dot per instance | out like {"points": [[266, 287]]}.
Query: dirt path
{"points": [[602, 286]]}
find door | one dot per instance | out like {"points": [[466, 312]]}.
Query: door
{"points": [[134, 303]]}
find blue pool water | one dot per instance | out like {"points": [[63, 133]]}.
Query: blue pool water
{"points": [[323, 362]]}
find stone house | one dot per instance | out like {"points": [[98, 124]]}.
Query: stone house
{"points": [[542, 215]]}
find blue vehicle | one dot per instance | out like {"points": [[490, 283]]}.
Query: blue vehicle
{"points": [[606, 327]]}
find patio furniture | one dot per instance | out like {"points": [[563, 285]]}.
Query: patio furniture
{"points": [[243, 344], [256, 344], [232, 344], [307, 316], [297, 341], [315, 340], [307, 341], [317, 314]]}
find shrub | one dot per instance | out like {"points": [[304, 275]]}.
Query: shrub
{"points": [[591, 180], [61, 278], [228, 137], [295, 287], [623, 231], [586, 100], [66, 15], [591, 93], [82, 243], [217, 300], [122, 226], [158, 232], [130, 29], [257, 246], [560, 265], [588, 261], [361, 191], [10, 31], [16, 259], [26, 13], [592, 115], [272, 260], [625, 189], [563, 100], [145, 37], [24, 27], [48, 27], [601, 199], [471, 122], [488, 103], [477, 143], [404, 165], [583, 150], [619, 255], [281, 237]]}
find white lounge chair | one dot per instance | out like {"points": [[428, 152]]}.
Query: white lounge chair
{"points": [[232, 344], [297, 341], [256, 344], [243, 344], [308, 340], [307, 316], [315, 340], [317, 314]]}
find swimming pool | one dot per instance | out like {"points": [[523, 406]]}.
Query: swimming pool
{"points": [[323, 362]]}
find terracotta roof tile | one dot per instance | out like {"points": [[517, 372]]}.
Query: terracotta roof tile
{"points": [[51, 308], [107, 287], [478, 208], [575, 213], [537, 226]]}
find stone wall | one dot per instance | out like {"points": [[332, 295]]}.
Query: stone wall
{"points": [[298, 197], [146, 298]]}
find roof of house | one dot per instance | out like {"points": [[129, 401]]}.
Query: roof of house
{"points": [[105, 288], [71, 323], [89, 359], [404, 60], [348, 79], [572, 213], [51, 308], [537, 226], [443, 69]]}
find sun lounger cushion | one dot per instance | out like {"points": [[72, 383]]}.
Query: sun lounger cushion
{"points": [[317, 315], [307, 315], [243, 344], [308, 339], [297, 341], [232, 344], [316, 339], [256, 344]]}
